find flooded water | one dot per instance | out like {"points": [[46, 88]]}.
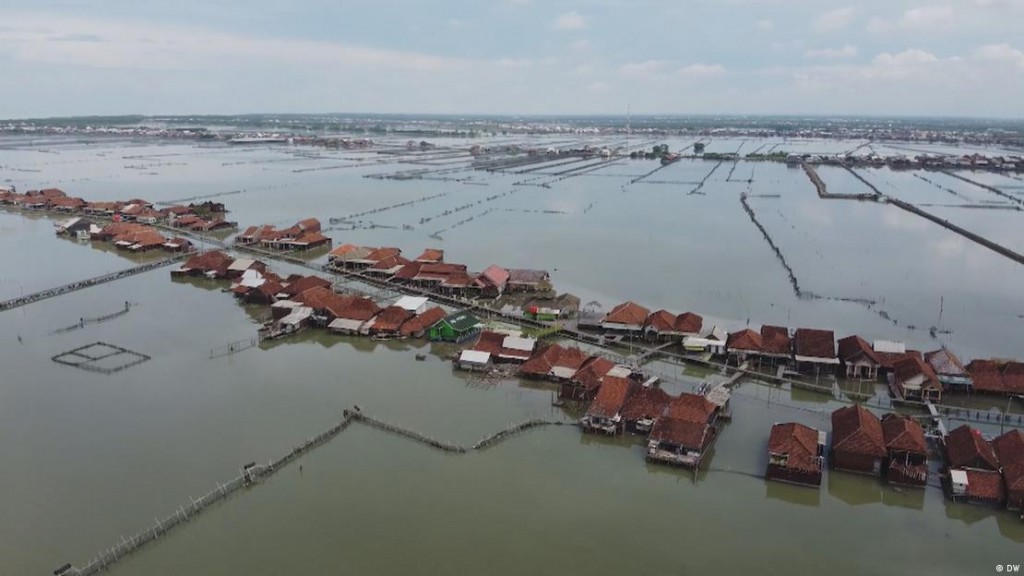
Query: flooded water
{"points": [[91, 457]]}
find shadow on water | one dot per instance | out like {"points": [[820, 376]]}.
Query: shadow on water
{"points": [[859, 489], [793, 494]]}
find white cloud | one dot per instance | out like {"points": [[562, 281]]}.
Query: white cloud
{"points": [[570, 21], [928, 17], [922, 18], [907, 57], [147, 46], [765, 25], [1000, 53], [834, 20], [701, 70], [645, 69], [847, 51]]}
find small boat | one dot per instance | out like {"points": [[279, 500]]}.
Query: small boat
{"points": [[644, 425], [421, 357]]}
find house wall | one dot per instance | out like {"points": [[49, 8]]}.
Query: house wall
{"points": [[843, 460], [783, 474], [1015, 499]]}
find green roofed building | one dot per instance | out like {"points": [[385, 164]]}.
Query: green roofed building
{"points": [[456, 328]]}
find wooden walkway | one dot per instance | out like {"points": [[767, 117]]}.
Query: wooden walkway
{"points": [[87, 283]]}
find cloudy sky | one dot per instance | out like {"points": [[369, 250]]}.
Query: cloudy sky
{"points": [[889, 57]]}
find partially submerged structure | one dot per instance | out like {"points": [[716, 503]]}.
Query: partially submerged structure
{"points": [[796, 454]]}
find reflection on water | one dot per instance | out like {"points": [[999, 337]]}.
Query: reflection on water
{"points": [[793, 494]]}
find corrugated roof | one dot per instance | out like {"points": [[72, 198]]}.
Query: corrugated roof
{"points": [[945, 363], [475, 356]]}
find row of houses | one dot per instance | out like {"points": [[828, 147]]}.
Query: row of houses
{"points": [[680, 429], [911, 374], [893, 448], [303, 235], [430, 271], [129, 236], [297, 302], [200, 217], [983, 471]]}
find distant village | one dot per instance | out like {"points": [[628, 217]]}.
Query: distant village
{"points": [[614, 396]]}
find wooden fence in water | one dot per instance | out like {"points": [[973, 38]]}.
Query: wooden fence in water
{"points": [[253, 473]]}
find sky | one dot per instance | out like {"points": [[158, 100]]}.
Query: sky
{"points": [[813, 57]]}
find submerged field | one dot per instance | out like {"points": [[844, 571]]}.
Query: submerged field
{"points": [[91, 457]]}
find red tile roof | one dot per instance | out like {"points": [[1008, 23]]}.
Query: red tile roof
{"points": [[855, 430], [409, 271], [389, 263], [775, 340], [592, 374], [986, 376], [309, 225], [490, 342], [628, 313], [347, 251], [542, 360], [903, 434], [966, 448], [644, 402], [391, 319], [495, 276], [913, 366], [685, 433], [984, 485], [1009, 448], [303, 283], [311, 238], [457, 280], [1013, 377], [360, 308], [744, 340], [325, 299], [797, 441], [573, 358], [813, 343], [691, 407], [431, 255], [610, 398], [382, 254], [853, 347], [208, 261], [423, 321], [689, 323], [661, 321]]}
